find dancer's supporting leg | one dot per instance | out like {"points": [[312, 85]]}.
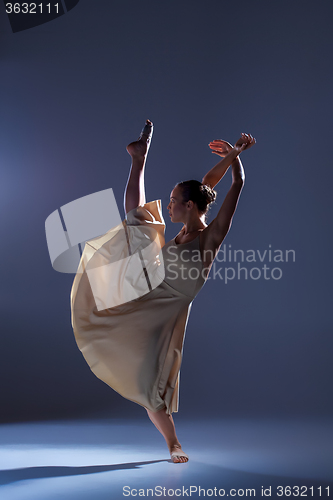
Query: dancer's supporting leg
{"points": [[165, 424], [135, 187], [135, 196]]}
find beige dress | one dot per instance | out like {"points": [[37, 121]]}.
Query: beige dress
{"points": [[129, 312]]}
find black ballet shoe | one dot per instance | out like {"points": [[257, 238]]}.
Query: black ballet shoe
{"points": [[147, 130]]}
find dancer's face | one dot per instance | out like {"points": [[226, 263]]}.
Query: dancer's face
{"points": [[177, 207]]}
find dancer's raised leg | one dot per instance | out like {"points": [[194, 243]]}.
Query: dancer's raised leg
{"points": [[165, 424], [135, 187]]}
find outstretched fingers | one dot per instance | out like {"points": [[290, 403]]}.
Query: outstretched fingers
{"points": [[245, 142], [220, 147], [249, 140]]}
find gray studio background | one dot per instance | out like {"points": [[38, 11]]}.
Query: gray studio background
{"points": [[74, 92]]}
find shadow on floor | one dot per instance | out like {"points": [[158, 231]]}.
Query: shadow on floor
{"points": [[13, 475]]}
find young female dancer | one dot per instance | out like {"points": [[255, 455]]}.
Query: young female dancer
{"points": [[136, 346]]}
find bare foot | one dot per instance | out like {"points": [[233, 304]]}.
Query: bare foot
{"points": [[139, 148], [177, 455]]}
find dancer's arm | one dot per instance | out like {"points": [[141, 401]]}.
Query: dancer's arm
{"points": [[222, 222], [217, 230], [224, 149], [228, 153]]}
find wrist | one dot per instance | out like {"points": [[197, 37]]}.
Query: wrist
{"points": [[234, 153]]}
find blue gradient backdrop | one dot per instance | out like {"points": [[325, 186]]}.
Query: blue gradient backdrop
{"points": [[74, 92]]}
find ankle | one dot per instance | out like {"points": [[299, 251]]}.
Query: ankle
{"points": [[139, 159], [174, 445]]}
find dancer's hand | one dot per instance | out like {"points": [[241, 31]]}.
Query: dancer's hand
{"points": [[246, 141], [220, 147]]}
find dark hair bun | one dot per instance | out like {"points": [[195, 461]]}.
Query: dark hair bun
{"points": [[201, 194], [208, 193]]}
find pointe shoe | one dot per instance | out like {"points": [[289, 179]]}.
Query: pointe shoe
{"points": [[147, 130]]}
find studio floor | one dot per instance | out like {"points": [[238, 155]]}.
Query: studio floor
{"points": [[112, 459]]}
